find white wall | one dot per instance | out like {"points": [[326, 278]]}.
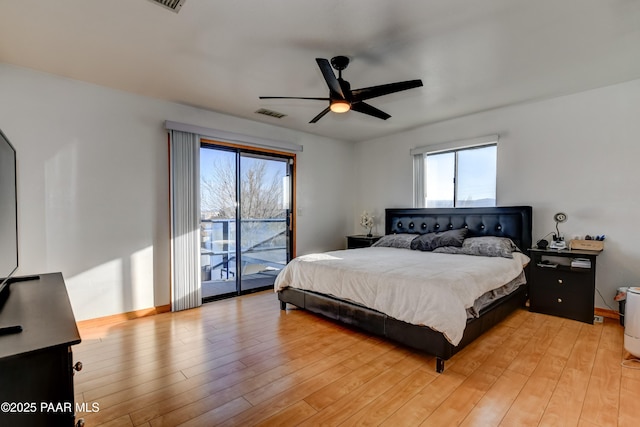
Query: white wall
{"points": [[578, 154], [93, 180], [93, 186]]}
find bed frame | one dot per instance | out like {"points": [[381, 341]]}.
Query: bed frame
{"points": [[513, 222]]}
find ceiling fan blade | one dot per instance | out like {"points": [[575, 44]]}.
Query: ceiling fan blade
{"points": [[375, 91], [293, 97], [329, 77], [363, 107], [319, 116]]}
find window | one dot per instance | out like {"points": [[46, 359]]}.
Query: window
{"points": [[450, 176]]}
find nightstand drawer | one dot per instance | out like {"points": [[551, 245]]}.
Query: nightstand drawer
{"points": [[571, 301], [562, 279]]}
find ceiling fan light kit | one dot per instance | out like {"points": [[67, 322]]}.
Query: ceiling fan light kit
{"points": [[340, 106], [342, 99]]}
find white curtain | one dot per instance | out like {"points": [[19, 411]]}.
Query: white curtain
{"points": [[185, 220]]}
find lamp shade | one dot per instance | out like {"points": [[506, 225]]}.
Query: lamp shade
{"points": [[560, 217]]}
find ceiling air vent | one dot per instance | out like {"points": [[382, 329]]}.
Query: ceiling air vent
{"points": [[174, 5], [270, 113]]}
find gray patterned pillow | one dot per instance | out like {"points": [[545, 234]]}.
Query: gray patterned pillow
{"points": [[400, 241], [450, 250], [431, 241], [490, 246]]}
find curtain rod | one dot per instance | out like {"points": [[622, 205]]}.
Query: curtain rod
{"points": [[224, 136], [452, 145]]}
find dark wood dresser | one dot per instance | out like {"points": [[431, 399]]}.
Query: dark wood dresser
{"points": [[36, 365]]}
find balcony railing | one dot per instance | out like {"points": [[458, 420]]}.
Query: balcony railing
{"points": [[263, 246]]}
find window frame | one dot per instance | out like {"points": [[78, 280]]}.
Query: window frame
{"points": [[419, 159]]}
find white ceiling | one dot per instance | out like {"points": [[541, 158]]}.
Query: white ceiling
{"points": [[221, 55]]}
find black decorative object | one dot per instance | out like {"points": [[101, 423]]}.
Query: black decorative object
{"points": [[542, 244]]}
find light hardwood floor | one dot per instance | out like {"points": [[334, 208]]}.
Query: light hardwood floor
{"points": [[244, 362]]}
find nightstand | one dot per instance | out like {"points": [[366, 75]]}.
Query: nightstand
{"points": [[559, 288], [361, 241]]}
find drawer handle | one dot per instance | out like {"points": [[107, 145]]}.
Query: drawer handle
{"points": [[559, 299], [77, 367], [560, 281]]}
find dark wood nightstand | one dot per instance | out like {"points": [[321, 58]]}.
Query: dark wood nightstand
{"points": [[361, 241], [558, 288]]}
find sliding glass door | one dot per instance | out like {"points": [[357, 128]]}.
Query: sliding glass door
{"points": [[264, 205], [246, 233]]}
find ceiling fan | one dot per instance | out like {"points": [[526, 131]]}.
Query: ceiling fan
{"points": [[342, 98]]}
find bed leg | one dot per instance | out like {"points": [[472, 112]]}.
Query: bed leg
{"points": [[283, 305], [439, 365]]}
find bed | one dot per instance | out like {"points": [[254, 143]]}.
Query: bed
{"points": [[408, 326]]}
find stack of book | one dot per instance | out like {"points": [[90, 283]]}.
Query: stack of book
{"points": [[580, 263], [547, 264]]}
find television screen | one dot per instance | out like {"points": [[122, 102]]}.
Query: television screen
{"points": [[8, 212]]}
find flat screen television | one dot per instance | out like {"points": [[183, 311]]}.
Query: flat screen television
{"points": [[8, 213]]}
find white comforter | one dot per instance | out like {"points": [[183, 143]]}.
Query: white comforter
{"points": [[422, 288]]}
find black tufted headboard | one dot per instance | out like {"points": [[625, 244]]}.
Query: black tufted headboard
{"points": [[514, 222]]}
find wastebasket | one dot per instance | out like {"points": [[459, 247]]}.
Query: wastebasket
{"points": [[621, 297], [632, 327]]}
